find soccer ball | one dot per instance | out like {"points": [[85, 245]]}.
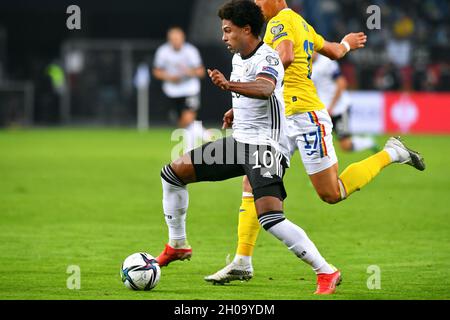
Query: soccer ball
{"points": [[140, 271]]}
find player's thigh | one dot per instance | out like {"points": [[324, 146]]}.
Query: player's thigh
{"points": [[311, 133], [265, 169], [217, 160]]}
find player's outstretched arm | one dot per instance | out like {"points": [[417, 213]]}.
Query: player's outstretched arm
{"points": [[261, 88], [351, 41]]}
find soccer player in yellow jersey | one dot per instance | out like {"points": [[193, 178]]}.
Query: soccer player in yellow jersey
{"points": [[310, 131]]}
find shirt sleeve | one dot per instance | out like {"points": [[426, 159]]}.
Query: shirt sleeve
{"points": [[278, 31], [268, 68], [195, 58], [319, 41]]}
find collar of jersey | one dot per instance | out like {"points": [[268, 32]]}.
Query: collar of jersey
{"points": [[253, 52]]}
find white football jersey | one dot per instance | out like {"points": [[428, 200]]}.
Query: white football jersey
{"points": [[325, 72], [259, 121], [175, 63]]}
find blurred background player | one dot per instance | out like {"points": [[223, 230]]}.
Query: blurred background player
{"points": [[179, 65], [331, 88]]}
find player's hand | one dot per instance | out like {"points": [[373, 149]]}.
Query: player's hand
{"points": [[356, 40], [173, 79], [218, 79], [228, 118], [190, 72]]}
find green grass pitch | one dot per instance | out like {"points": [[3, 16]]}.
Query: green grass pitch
{"points": [[92, 197]]}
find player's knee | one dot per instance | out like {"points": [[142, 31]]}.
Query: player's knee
{"points": [[170, 176], [330, 197], [180, 172], [271, 218]]}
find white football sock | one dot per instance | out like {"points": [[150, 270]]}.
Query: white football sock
{"points": [[362, 143], [393, 154], [175, 204], [242, 260], [297, 241]]}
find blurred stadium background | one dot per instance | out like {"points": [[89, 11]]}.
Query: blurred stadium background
{"points": [[90, 197], [51, 76]]}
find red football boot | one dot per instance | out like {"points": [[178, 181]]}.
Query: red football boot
{"points": [[170, 254], [327, 282]]}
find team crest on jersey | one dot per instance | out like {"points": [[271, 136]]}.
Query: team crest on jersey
{"points": [[305, 26], [273, 61], [276, 30]]}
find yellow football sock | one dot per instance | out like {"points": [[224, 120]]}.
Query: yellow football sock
{"points": [[358, 174], [248, 228]]}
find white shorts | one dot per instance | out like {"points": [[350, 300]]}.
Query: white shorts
{"points": [[310, 133]]}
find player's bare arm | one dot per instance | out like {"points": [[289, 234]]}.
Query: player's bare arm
{"points": [[351, 41], [261, 88], [286, 51]]}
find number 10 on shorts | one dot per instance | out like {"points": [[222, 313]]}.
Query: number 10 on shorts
{"points": [[266, 159]]}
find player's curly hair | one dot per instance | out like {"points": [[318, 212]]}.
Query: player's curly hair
{"points": [[243, 13]]}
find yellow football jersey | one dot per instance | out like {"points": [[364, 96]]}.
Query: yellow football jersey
{"points": [[300, 94]]}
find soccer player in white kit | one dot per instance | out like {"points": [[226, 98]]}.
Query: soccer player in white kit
{"points": [[331, 88], [179, 65], [257, 147]]}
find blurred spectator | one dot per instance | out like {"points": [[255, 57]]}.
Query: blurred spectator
{"points": [[444, 81], [399, 45], [387, 78], [410, 51]]}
